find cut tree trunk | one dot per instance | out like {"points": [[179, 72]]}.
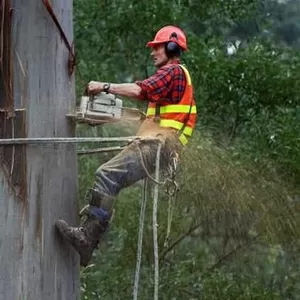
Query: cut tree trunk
{"points": [[38, 183]]}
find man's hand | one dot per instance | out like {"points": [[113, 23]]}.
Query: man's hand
{"points": [[94, 87]]}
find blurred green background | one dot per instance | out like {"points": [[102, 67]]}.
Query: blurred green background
{"points": [[235, 230]]}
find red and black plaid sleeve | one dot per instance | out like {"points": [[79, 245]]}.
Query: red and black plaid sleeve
{"points": [[167, 84]]}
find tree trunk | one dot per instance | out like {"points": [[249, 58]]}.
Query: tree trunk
{"points": [[38, 182]]}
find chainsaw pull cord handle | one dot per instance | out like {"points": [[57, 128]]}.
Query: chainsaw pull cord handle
{"points": [[85, 91], [87, 94]]}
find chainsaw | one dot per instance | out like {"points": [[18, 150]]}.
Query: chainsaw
{"points": [[104, 108]]}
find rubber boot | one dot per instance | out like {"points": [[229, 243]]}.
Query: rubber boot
{"points": [[84, 239]]}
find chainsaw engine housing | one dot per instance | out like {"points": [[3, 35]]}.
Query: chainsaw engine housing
{"points": [[101, 106]]}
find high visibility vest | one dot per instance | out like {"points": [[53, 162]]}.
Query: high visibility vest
{"points": [[181, 116]]}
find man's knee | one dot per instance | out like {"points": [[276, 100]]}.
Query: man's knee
{"points": [[100, 171], [94, 197]]}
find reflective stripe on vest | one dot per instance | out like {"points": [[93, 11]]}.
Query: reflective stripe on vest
{"points": [[183, 139], [172, 109], [177, 125], [187, 74]]}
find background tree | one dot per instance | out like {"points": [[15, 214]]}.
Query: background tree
{"points": [[235, 225]]}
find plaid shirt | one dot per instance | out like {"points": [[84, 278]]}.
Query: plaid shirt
{"points": [[167, 84]]}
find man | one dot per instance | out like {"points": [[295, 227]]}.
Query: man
{"points": [[171, 117]]}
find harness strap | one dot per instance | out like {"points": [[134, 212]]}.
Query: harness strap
{"points": [[157, 113], [186, 119]]}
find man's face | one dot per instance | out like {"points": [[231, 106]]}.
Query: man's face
{"points": [[159, 56]]}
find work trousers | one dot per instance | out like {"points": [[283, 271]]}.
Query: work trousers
{"points": [[128, 167]]}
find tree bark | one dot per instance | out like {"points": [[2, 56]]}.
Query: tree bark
{"points": [[38, 183]]}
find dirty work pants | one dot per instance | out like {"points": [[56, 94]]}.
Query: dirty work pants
{"points": [[126, 168]]}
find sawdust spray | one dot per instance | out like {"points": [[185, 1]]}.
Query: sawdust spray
{"points": [[233, 199]]}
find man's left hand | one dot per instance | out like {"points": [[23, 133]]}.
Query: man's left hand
{"points": [[95, 87]]}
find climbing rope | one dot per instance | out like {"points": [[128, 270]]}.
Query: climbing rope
{"points": [[171, 190], [63, 140], [99, 150], [171, 205], [155, 225], [140, 240], [145, 168]]}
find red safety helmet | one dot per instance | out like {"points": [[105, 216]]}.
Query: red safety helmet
{"points": [[169, 34]]}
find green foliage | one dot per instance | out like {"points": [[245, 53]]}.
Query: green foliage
{"points": [[235, 226]]}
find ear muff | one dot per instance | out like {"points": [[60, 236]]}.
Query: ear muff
{"points": [[172, 49]]}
